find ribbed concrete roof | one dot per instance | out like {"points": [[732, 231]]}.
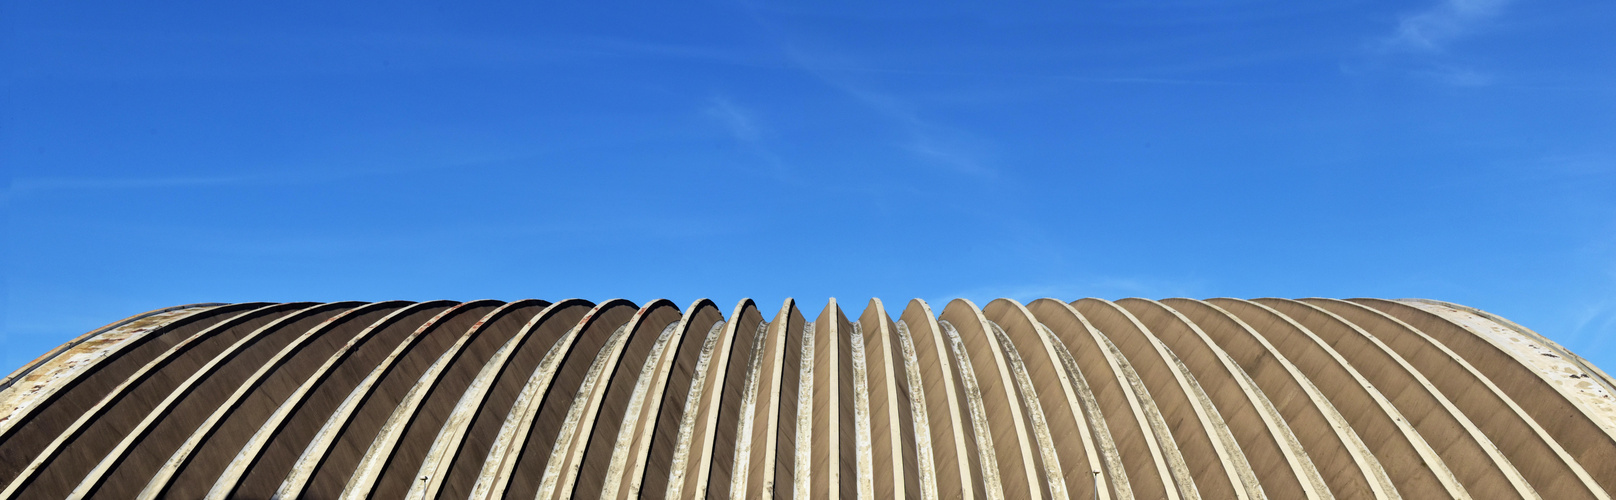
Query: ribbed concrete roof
{"points": [[1178, 398]]}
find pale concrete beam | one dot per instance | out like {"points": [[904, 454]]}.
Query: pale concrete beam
{"points": [[344, 417], [1071, 457], [1180, 399], [1117, 391], [129, 465], [894, 452], [1258, 429], [958, 472], [769, 396], [702, 454], [680, 346], [96, 429], [275, 442], [1541, 460], [1407, 460]]}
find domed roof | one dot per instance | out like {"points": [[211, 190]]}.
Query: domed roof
{"points": [[1174, 398]]}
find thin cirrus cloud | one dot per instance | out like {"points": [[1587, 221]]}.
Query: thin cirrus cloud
{"points": [[737, 121], [25, 186], [932, 142], [1420, 44], [1432, 29], [743, 126]]}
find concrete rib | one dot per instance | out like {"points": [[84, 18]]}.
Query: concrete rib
{"points": [[249, 457], [50, 394], [998, 420], [1336, 451], [892, 429], [925, 463], [540, 393], [589, 442], [330, 465], [1598, 377], [223, 370], [1210, 464], [673, 364], [830, 470], [191, 469], [319, 448], [1144, 453], [1115, 478], [1592, 446], [700, 454], [1258, 429], [957, 473], [1540, 459], [455, 451], [1472, 458], [303, 425], [1178, 399], [116, 406], [758, 432], [38, 383], [1413, 467], [1066, 425], [856, 407], [445, 380]]}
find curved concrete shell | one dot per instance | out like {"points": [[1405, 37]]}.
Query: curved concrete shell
{"points": [[1134, 398]]}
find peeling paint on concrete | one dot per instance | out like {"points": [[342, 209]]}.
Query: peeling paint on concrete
{"points": [[32, 384], [1551, 363]]}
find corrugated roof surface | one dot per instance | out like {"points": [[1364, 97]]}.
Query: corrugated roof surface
{"points": [[1177, 398]]}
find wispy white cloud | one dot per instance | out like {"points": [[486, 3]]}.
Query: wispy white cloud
{"points": [[1432, 29], [1595, 319], [312, 171], [744, 125], [730, 56], [108, 183], [738, 121], [934, 142], [24, 186], [1589, 321], [1420, 44], [1456, 76], [1579, 166], [949, 156]]}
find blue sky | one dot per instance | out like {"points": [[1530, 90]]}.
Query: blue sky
{"points": [[159, 154]]}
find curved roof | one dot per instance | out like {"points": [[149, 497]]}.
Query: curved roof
{"points": [[1176, 398]]}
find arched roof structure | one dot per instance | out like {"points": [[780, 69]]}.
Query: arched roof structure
{"points": [[1128, 399]]}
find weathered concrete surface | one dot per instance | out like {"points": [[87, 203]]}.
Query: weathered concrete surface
{"points": [[1179, 398]]}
